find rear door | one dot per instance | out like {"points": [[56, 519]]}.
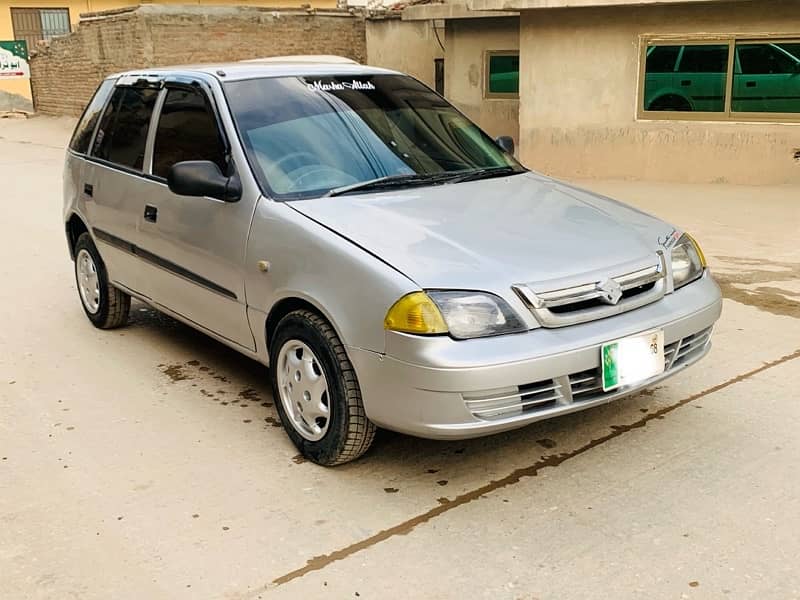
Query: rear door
{"points": [[195, 247], [701, 75], [767, 79], [111, 180]]}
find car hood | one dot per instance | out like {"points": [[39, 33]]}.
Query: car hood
{"points": [[492, 233]]}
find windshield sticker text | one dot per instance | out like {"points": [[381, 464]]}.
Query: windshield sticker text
{"points": [[332, 86]]}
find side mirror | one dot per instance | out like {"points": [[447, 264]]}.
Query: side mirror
{"points": [[203, 178], [506, 143]]}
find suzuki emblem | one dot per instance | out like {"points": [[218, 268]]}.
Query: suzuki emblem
{"points": [[610, 291]]}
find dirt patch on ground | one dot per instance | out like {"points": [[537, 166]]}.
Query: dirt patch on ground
{"points": [[738, 272]]}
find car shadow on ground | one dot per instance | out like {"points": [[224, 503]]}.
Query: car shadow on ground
{"points": [[223, 375]]}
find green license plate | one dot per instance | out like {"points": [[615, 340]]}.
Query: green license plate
{"points": [[632, 359]]}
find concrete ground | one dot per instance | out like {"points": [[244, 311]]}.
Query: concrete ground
{"points": [[147, 462]]}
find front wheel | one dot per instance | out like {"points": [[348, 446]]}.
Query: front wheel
{"points": [[316, 391], [106, 306]]}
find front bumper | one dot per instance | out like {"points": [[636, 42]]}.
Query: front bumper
{"points": [[445, 389]]}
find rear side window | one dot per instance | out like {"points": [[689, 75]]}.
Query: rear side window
{"points": [[765, 59], [704, 58], [187, 130], [122, 133], [83, 132], [661, 59]]}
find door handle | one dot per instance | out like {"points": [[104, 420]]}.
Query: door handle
{"points": [[150, 213], [88, 189], [686, 82], [750, 84]]}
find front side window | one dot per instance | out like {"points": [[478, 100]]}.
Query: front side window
{"points": [[502, 74], [85, 128], [307, 136], [187, 130], [726, 79], [122, 133]]}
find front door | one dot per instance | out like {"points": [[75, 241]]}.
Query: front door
{"points": [[194, 248]]}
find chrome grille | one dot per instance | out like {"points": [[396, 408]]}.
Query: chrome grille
{"points": [[602, 297], [581, 386]]}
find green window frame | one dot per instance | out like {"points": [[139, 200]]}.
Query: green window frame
{"points": [[501, 74], [708, 78]]}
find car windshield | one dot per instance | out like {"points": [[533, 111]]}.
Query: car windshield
{"points": [[311, 136]]}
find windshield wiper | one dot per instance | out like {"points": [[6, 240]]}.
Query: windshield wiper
{"points": [[486, 173], [388, 181]]}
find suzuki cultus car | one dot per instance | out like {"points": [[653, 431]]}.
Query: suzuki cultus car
{"points": [[393, 265]]}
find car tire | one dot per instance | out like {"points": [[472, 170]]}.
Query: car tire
{"points": [[316, 391], [106, 306]]}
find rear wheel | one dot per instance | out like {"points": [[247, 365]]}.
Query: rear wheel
{"points": [[316, 391], [104, 305]]}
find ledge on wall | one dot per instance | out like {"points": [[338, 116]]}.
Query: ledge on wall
{"points": [[216, 11]]}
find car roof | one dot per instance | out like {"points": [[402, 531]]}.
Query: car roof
{"points": [[287, 66]]}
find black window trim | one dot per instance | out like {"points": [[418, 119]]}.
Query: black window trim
{"points": [[116, 166], [185, 82], [161, 82], [83, 114]]}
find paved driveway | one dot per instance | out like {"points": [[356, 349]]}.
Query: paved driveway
{"points": [[148, 462]]}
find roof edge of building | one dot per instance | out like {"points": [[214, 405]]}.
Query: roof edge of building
{"points": [[493, 5], [429, 12]]}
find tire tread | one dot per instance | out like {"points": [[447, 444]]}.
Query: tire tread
{"points": [[360, 430], [115, 304]]}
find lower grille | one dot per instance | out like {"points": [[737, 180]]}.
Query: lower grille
{"points": [[516, 400], [576, 387], [588, 385], [691, 346]]}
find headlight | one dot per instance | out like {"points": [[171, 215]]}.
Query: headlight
{"points": [[476, 314], [688, 261], [462, 314]]}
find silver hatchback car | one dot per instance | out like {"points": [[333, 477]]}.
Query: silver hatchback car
{"points": [[392, 264]]}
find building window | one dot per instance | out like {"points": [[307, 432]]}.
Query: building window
{"points": [[734, 79], [502, 74], [438, 75], [36, 24]]}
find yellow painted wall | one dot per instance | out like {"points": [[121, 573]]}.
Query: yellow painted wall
{"points": [[76, 7]]}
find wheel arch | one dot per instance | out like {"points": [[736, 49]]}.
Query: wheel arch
{"points": [[75, 226], [669, 93], [291, 303]]}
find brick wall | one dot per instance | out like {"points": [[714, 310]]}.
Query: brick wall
{"points": [[65, 73]]}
